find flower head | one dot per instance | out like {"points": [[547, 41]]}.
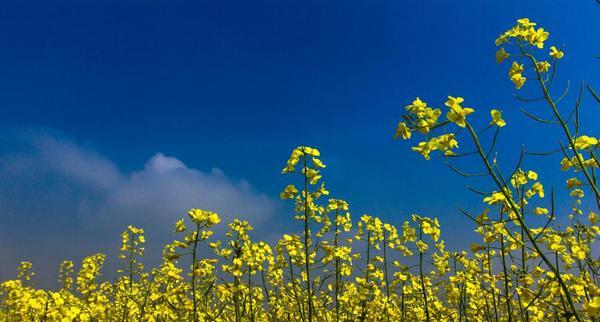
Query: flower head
{"points": [[497, 118], [556, 53], [457, 113], [501, 55]]}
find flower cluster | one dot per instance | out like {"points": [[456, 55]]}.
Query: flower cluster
{"points": [[525, 37]]}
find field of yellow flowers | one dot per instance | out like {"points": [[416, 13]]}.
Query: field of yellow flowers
{"points": [[524, 267]]}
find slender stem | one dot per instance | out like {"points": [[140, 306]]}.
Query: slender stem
{"points": [[515, 209], [194, 302], [505, 275], [363, 314], [385, 267], [236, 281], [493, 283], [422, 277], [306, 241], [565, 128], [337, 270]]}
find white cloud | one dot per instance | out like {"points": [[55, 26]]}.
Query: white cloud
{"points": [[60, 199], [166, 188]]}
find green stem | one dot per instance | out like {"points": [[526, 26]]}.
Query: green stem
{"points": [[565, 128], [337, 270], [421, 274], [306, 242], [515, 209], [194, 302]]}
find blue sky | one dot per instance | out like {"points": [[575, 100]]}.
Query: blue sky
{"points": [[100, 99]]}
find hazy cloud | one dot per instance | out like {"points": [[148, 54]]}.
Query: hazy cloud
{"points": [[61, 199]]}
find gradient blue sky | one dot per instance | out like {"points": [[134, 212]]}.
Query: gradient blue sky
{"points": [[225, 89]]}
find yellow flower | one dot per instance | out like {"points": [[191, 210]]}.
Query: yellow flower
{"points": [[180, 226], [532, 175], [416, 106], [572, 183], [201, 216], [403, 131], [565, 164], [422, 117], [497, 118], [585, 142], [518, 179], [446, 143], [501, 55], [431, 228], [454, 101], [518, 80], [424, 148], [593, 217], [502, 39], [593, 307], [578, 251], [422, 246], [288, 192], [496, 197], [554, 243], [476, 248], [538, 188], [555, 53], [526, 23], [457, 113], [213, 218], [537, 37], [313, 175], [577, 193], [310, 151], [318, 163], [515, 74], [543, 66]]}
